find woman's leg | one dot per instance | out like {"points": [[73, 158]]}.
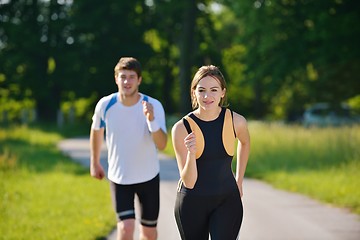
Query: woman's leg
{"points": [[225, 221], [192, 217]]}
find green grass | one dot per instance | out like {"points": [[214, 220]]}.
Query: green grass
{"points": [[323, 163], [45, 195]]}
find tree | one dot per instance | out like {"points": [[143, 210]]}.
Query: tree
{"points": [[33, 36], [186, 49], [297, 52], [103, 33]]}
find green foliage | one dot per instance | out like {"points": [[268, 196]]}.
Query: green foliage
{"points": [[298, 52], [34, 50], [16, 106], [44, 195], [239, 90], [354, 103], [277, 56], [78, 109]]}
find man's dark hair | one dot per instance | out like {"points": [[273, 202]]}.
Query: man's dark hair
{"points": [[128, 63]]}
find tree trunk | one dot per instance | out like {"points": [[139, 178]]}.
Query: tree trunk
{"points": [[186, 55]]}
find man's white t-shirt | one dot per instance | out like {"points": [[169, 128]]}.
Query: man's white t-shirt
{"points": [[132, 154]]}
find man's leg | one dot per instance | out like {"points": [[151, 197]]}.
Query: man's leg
{"points": [[125, 229], [149, 199], [148, 233], [123, 200]]}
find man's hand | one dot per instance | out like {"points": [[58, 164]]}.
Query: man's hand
{"points": [[97, 171], [148, 110]]}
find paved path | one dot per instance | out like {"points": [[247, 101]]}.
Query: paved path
{"points": [[269, 214]]}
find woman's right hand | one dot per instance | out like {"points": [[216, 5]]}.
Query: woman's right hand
{"points": [[190, 143]]}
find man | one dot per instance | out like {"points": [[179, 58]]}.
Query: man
{"points": [[135, 129]]}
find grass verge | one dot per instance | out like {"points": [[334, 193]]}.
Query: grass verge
{"points": [[45, 195], [322, 163]]}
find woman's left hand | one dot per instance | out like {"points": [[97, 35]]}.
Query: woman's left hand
{"points": [[240, 189]]}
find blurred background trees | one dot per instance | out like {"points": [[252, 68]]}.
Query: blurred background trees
{"points": [[277, 56]]}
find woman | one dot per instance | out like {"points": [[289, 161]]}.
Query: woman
{"points": [[209, 196]]}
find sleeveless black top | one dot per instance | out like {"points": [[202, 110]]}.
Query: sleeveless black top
{"points": [[214, 158]]}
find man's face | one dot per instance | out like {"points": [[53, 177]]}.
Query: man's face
{"points": [[128, 82]]}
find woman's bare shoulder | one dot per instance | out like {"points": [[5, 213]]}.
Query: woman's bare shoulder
{"points": [[178, 127], [239, 119]]}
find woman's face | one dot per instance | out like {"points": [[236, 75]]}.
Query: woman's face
{"points": [[208, 92]]}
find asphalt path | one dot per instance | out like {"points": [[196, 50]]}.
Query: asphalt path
{"points": [[269, 213]]}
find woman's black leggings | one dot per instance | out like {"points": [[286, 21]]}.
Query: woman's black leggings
{"points": [[197, 216]]}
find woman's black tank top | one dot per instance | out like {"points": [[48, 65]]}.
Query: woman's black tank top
{"points": [[215, 175]]}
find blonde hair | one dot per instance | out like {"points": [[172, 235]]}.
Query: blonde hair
{"points": [[204, 71]]}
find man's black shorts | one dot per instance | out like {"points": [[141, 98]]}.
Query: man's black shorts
{"points": [[148, 193]]}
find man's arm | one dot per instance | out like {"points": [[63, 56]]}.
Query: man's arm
{"points": [[160, 139], [158, 135], [96, 140]]}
